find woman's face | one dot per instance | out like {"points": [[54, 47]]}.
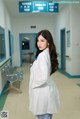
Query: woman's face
{"points": [[42, 43]]}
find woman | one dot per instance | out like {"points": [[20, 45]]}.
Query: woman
{"points": [[43, 93]]}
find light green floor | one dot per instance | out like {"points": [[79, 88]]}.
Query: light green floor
{"points": [[2, 100], [3, 97]]}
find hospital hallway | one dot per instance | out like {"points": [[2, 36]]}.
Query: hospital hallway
{"points": [[17, 103]]}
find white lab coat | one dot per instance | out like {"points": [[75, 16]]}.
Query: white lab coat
{"points": [[43, 93]]}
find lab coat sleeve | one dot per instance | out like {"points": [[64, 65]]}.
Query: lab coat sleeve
{"points": [[41, 77]]}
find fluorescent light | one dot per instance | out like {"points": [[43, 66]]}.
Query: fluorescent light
{"points": [[26, 38]]}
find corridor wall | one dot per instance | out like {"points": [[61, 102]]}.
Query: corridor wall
{"points": [[69, 18], [5, 22]]}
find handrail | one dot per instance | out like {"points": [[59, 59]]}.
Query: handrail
{"points": [[1, 66]]}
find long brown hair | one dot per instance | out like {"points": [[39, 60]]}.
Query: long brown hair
{"points": [[52, 49]]}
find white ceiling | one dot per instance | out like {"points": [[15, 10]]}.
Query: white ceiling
{"points": [[13, 6]]}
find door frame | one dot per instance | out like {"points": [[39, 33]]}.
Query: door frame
{"points": [[10, 47], [62, 46], [20, 44]]}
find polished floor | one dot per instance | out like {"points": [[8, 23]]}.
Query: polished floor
{"points": [[17, 103]]}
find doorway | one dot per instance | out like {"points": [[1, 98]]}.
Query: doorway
{"points": [[27, 47], [63, 49]]}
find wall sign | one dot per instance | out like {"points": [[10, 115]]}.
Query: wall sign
{"points": [[38, 6], [52, 7], [25, 6]]}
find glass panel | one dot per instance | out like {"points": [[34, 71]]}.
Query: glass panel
{"points": [[2, 44], [68, 38]]}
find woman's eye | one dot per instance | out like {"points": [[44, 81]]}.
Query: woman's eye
{"points": [[42, 40]]}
